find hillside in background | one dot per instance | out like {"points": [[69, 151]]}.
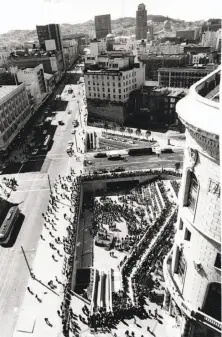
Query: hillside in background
{"points": [[122, 26]]}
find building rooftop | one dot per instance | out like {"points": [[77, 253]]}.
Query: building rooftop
{"points": [[185, 69], [6, 89], [201, 108], [176, 92]]}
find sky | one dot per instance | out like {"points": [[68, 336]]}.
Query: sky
{"points": [[26, 14]]}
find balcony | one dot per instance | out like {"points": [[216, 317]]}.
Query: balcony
{"points": [[182, 304]]}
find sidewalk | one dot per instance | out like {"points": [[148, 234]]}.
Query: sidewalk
{"points": [[33, 312]]}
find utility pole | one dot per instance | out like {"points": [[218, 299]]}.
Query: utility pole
{"points": [[26, 260], [50, 184]]}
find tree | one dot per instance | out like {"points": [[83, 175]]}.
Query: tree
{"points": [[130, 130], [122, 129], [106, 126], [138, 132], [114, 127], [177, 166], [148, 133]]}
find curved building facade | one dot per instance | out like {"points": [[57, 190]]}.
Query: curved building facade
{"points": [[192, 269]]}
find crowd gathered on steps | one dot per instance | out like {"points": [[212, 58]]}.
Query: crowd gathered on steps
{"points": [[142, 281], [111, 212]]}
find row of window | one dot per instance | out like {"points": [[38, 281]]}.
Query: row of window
{"points": [[113, 90], [113, 83], [108, 96], [108, 77]]}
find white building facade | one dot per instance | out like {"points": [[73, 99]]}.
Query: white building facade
{"points": [[35, 82], [192, 269], [115, 77], [14, 112]]}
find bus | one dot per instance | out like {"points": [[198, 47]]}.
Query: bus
{"points": [[46, 143], [140, 151], [167, 150], [8, 224]]}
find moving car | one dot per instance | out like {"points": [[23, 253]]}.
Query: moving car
{"points": [[89, 162], [70, 143], [35, 151], [100, 155], [118, 169]]}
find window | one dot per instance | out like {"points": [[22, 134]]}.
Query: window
{"points": [[94, 95], [192, 190], [108, 89], [104, 95], [181, 224], [89, 88], [187, 235], [181, 268], [114, 90], [114, 96], [94, 88], [119, 91], [113, 77], [93, 83], [103, 83], [108, 95], [217, 263], [119, 78], [119, 96], [114, 84], [89, 82]]}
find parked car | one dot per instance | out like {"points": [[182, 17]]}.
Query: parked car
{"points": [[73, 131], [89, 162], [70, 143], [61, 123], [44, 132]]}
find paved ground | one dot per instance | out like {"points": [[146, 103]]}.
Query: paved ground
{"points": [[32, 195], [136, 162], [34, 179]]}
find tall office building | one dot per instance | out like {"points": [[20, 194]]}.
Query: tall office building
{"points": [[102, 26], [192, 269], [141, 22], [48, 33]]}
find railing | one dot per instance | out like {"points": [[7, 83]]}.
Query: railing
{"points": [[183, 305], [196, 89]]}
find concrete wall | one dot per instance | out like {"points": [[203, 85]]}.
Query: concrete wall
{"points": [[109, 112], [96, 186]]}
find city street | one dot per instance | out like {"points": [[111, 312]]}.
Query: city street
{"points": [[135, 162], [32, 197]]}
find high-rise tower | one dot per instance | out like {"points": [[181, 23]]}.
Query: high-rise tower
{"points": [[141, 22], [102, 26]]}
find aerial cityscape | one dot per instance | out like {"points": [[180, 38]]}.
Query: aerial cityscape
{"points": [[110, 209]]}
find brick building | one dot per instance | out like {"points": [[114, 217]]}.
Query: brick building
{"points": [[182, 77], [192, 269], [154, 62]]}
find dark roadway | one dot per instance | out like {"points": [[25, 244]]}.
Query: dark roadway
{"points": [[136, 162]]}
